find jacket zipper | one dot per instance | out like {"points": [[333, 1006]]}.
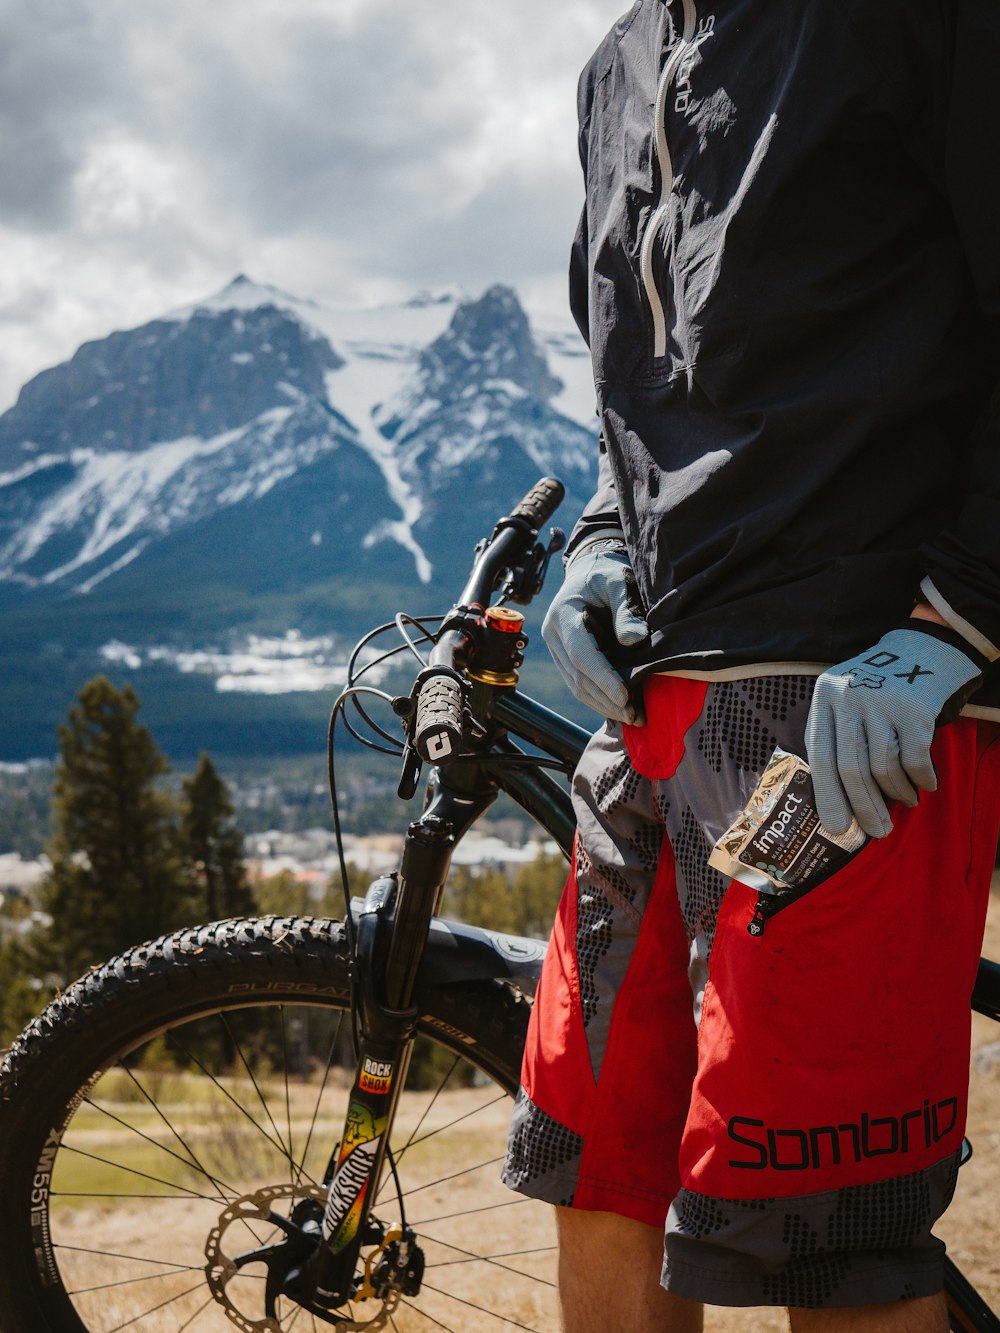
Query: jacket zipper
{"points": [[662, 152]]}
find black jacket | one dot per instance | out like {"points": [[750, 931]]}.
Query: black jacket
{"points": [[788, 272]]}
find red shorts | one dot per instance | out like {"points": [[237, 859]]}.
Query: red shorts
{"points": [[792, 1104]]}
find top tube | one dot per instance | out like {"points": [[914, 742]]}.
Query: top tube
{"points": [[540, 726]]}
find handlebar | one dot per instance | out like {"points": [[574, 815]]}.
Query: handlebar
{"points": [[513, 537], [439, 691], [541, 502]]}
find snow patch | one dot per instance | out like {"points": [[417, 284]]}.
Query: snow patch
{"points": [[119, 494], [355, 389], [261, 665], [40, 464]]}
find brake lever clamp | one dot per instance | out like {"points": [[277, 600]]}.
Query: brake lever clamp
{"points": [[524, 582]]}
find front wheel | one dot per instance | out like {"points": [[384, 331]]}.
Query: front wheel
{"points": [[167, 1106]]}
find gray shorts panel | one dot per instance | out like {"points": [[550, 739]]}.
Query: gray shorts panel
{"points": [[862, 1245], [543, 1156]]}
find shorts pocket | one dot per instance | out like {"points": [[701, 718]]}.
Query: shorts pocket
{"points": [[673, 704]]}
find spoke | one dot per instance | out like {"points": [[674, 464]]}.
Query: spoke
{"points": [[253, 1079], [471, 1257], [468, 1212], [466, 1115], [288, 1098], [144, 1175], [132, 1258], [481, 1308], [153, 1309], [190, 1162], [170, 1126], [319, 1096], [275, 1142], [117, 1194], [441, 1180], [193, 1162], [430, 1318], [130, 1281], [412, 1141], [486, 1258], [427, 1110], [188, 1322]]}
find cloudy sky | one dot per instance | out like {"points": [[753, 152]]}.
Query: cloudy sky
{"points": [[347, 150]]}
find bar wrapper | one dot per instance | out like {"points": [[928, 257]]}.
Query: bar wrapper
{"points": [[778, 843]]}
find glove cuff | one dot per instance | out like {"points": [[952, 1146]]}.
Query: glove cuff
{"points": [[601, 542], [945, 634]]}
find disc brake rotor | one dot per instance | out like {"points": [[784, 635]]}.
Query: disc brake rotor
{"points": [[220, 1269]]}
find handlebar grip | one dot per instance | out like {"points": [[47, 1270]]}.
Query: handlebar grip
{"points": [[437, 732], [541, 502]]}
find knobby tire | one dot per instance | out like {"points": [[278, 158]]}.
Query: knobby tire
{"points": [[203, 1066]]}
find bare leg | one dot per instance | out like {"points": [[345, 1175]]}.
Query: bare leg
{"points": [[925, 1314], [609, 1277]]}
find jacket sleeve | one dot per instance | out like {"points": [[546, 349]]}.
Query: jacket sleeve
{"points": [[600, 515], [962, 563]]}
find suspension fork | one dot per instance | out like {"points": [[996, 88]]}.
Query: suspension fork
{"points": [[392, 933]]}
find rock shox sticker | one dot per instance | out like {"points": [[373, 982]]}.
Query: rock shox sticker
{"points": [[356, 1163]]}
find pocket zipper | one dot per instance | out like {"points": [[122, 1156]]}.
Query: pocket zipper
{"points": [[770, 904]]}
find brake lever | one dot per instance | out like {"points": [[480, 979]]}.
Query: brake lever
{"points": [[410, 776], [524, 583], [405, 708]]}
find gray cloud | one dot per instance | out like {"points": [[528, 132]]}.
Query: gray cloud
{"points": [[55, 68], [149, 151]]}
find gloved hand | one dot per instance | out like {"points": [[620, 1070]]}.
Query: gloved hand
{"points": [[598, 591], [872, 720]]}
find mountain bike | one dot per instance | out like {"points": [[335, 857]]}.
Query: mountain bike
{"points": [[294, 1123]]}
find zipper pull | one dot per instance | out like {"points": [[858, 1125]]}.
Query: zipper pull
{"points": [[770, 904], [764, 908]]}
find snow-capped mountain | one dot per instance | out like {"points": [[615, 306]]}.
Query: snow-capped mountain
{"points": [[153, 432], [260, 464]]}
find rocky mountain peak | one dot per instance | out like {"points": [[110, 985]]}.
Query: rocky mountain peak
{"points": [[260, 463], [211, 372], [489, 342]]}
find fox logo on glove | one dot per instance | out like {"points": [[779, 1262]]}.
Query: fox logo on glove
{"points": [[872, 680]]}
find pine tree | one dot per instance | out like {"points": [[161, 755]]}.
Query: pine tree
{"points": [[212, 845], [117, 878], [19, 999], [480, 896], [537, 889]]}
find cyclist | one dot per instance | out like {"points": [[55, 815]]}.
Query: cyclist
{"points": [[788, 271]]}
